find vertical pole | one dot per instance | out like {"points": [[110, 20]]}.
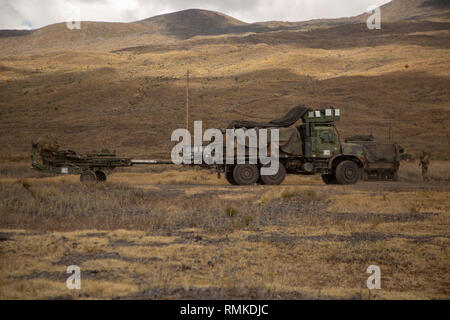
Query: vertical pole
{"points": [[392, 133], [187, 100], [390, 130]]}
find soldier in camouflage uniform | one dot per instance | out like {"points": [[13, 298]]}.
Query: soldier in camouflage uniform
{"points": [[424, 163]]}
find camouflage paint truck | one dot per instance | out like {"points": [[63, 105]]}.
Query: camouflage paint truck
{"points": [[314, 147]]}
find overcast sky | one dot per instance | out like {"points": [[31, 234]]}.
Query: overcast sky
{"points": [[31, 14]]}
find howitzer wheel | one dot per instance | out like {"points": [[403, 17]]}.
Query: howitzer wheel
{"points": [[246, 174], [88, 177], [100, 175], [276, 179]]}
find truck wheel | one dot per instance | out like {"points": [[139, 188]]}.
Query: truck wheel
{"points": [[230, 179], [101, 176], [276, 179], [246, 174], [347, 172], [329, 179], [88, 177]]}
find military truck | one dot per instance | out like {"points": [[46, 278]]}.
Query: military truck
{"points": [[314, 147]]}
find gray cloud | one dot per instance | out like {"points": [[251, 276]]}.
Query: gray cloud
{"points": [[25, 14]]}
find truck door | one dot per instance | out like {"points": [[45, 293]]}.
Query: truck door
{"points": [[325, 141]]}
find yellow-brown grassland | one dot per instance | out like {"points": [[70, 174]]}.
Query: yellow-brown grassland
{"points": [[168, 232]]}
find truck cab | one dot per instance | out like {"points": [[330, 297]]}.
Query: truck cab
{"points": [[325, 150]]}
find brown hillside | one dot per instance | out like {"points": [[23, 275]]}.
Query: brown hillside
{"points": [[193, 22], [123, 87], [93, 36], [397, 10]]}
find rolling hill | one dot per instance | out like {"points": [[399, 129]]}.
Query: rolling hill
{"points": [[189, 23], [398, 10], [121, 85], [186, 24]]}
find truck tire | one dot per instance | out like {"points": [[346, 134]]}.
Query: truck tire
{"points": [[347, 172], [246, 174], [101, 176], [88, 177], [276, 179], [329, 179], [229, 177]]}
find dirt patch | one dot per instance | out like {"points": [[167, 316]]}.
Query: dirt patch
{"points": [[77, 259], [207, 293], [354, 238], [4, 236], [380, 217], [62, 276]]}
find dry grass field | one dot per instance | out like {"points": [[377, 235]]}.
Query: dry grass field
{"points": [[185, 234], [167, 232]]}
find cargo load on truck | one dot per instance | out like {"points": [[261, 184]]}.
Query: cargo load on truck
{"points": [[288, 120], [290, 141]]}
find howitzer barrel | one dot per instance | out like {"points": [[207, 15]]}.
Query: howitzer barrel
{"points": [[150, 162]]}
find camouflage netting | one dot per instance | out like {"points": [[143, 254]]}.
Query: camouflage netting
{"points": [[288, 120], [43, 144], [290, 141]]}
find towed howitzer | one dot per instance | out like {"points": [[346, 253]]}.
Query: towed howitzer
{"points": [[92, 167]]}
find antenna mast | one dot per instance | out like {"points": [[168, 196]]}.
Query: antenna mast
{"points": [[390, 130], [187, 100]]}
